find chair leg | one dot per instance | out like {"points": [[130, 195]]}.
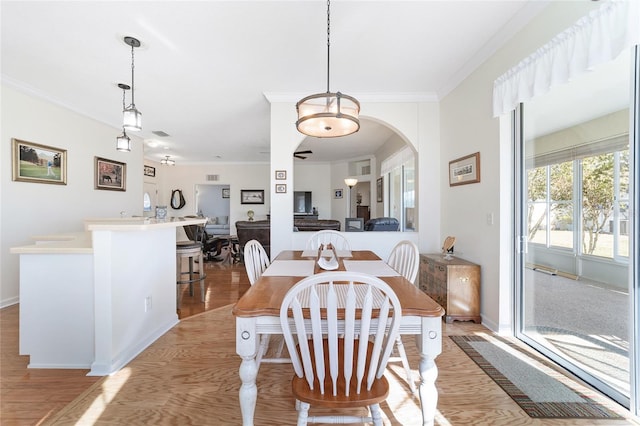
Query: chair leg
{"points": [[178, 277], [405, 364], [191, 275], [262, 349], [376, 414], [303, 413], [202, 282]]}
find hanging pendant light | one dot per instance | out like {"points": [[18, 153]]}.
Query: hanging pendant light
{"points": [[123, 142], [167, 162], [132, 118], [328, 115]]}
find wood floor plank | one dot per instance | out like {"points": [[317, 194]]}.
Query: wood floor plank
{"points": [[190, 377]]}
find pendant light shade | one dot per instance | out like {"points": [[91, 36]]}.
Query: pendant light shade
{"points": [[328, 115], [132, 118], [123, 142]]}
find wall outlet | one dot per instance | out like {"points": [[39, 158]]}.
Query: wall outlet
{"points": [[147, 304]]}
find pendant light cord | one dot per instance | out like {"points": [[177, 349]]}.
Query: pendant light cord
{"points": [[328, 40]]}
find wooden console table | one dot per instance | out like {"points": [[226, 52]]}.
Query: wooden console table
{"points": [[454, 284]]}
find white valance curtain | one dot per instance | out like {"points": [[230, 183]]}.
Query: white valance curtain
{"points": [[596, 38], [396, 160]]}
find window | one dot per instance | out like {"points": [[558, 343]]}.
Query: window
{"points": [[602, 192], [399, 171]]}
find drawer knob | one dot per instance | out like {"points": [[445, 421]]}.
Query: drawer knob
{"points": [[245, 335]]}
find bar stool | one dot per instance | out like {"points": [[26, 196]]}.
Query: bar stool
{"points": [[191, 250]]}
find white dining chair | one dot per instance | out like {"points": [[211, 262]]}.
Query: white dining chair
{"points": [[324, 237], [322, 318], [256, 262], [405, 259]]}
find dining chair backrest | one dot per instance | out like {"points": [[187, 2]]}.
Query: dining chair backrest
{"points": [[405, 259], [255, 260], [326, 236], [334, 309]]}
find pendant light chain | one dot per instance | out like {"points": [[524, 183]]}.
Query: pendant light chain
{"points": [[328, 115], [328, 40], [132, 74]]}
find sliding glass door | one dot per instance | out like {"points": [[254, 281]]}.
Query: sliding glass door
{"points": [[574, 218]]}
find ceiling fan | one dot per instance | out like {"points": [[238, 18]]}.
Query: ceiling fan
{"points": [[298, 154]]}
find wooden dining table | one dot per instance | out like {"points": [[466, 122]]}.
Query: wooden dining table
{"points": [[257, 312]]}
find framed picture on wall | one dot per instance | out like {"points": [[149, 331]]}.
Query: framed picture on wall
{"points": [[37, 163], [149, 171], [379, 186], [464, 170], [281, 188], [226, 192], [252, 196], [281, 174], [337, 193], [110, 175]]}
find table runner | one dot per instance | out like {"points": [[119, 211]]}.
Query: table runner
{"points": [[290, 268], [373, 267], [326, 253]]}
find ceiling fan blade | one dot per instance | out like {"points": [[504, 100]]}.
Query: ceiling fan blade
{"points": [[302, 157], [303, 152]]}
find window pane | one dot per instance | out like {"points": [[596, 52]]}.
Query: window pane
{"points": [[561, 234], [561, 182], [537, 207], [409, 196]]}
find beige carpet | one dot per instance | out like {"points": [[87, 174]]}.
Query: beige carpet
{"points": [[190, 377]]}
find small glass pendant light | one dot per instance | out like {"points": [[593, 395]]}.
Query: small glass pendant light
{"points": [[123, 142], [132, 118]]}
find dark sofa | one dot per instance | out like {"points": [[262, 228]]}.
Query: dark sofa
{"points": [[316, 224], [260, 230], [382, 224]]}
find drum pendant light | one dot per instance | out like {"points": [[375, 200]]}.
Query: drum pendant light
{"points": [[328, 115]]}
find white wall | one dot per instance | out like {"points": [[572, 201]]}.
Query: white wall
{"points": [[467, 126], [314, 177], [237, 175], [416, 122], [29, 209]]}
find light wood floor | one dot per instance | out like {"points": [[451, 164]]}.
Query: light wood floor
{"points": [[190, 376]]}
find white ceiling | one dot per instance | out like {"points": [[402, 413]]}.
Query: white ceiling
{"points": [[204, 67]]}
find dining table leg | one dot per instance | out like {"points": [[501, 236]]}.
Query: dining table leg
{"points": [[247, 348], [430, 346]]}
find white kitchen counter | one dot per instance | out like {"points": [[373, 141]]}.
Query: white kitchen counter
{"points": [[98, 298]]}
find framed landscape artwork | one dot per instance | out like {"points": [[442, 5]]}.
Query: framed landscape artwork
{"points": [[252, 196], [37, 163], [110, 175], [464, 170], [149, 171]]}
